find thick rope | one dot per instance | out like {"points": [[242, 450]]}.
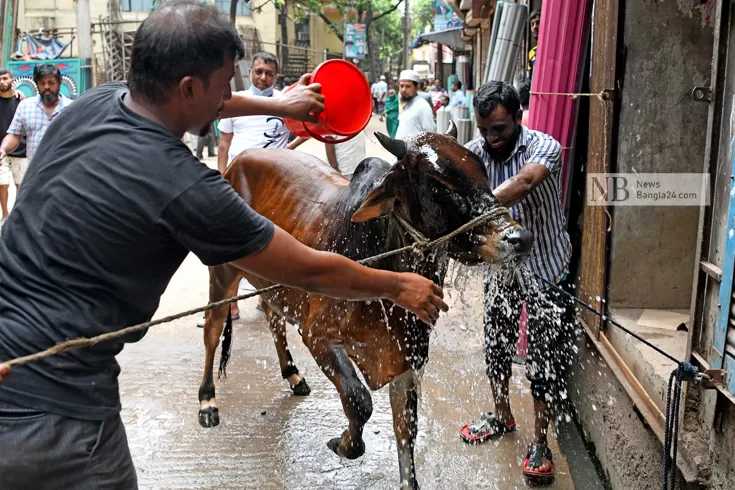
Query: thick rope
{"points": [[87, 342]]}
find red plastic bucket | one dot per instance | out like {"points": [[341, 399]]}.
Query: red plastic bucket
{"points": [[348, 101]]}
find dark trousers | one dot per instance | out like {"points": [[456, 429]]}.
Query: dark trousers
{"points": [[206, 140], [47, 451], [552, 330]]}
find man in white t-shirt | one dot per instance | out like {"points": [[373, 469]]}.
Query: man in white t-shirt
{"points": [[345, 157], [242, 133], [416, 115]]}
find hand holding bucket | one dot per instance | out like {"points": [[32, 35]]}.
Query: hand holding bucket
{"points": [[347, 99]]}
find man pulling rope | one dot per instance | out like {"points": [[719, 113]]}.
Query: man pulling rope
{"points": [[111, 205]]}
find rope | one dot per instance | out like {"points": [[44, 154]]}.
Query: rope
{"points": [[87, 342], [572, 95], [685, 371]]}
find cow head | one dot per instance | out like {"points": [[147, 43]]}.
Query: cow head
{"points": [[439, 185]]}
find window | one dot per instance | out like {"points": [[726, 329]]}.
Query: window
{"points": [[243, 6], [136, 5]]}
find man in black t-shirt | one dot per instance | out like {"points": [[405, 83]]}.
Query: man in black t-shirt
{"points": [[9, 100], [106, 215]]}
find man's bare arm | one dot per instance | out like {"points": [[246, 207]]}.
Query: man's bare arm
{"points": [[297, 142], [332, 156], [223, 149], [287, 261], [9, 144], [301, 103], [516, 188], [4, 371]]}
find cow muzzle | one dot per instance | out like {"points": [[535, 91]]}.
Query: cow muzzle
{"points": [[512, 245]]}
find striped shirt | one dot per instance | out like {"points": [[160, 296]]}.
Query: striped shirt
{"points": [[31, 121], [541, 211]]}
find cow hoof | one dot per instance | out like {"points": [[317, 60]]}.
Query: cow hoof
{"points": [[209, 417], [353, 450], [301, 388]]}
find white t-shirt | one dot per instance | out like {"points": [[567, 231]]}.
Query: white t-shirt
{"points": [[255, 131], [350, 153], [416, 117]]}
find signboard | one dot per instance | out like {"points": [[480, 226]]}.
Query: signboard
{"points": [[355, 41], [444, 17]]}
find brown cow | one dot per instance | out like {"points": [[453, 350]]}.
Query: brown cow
{"points": [[437, 185]]}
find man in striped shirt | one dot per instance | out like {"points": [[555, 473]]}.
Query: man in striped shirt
{"points": [[524, 169]]}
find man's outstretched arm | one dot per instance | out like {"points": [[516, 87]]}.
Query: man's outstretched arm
{"points": [[287, 261]]}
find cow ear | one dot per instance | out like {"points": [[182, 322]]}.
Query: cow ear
{"points": [[380, 202]]}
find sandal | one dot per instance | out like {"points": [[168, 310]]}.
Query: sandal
{"points": [[534, 460], [488, 427]]}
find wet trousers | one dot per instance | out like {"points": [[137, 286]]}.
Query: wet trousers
{"points": [[552, 330]]}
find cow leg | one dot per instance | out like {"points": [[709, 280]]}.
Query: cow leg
{"points": [[404, 402], [223, 280], [289, 371], [356, 400]]}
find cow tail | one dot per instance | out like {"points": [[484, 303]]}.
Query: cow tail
{"points": [[226, 345]]}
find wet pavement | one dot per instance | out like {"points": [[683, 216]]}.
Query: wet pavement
{"points": [[270, 439]]}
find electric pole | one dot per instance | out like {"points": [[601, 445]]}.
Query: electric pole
{"points": [[406, 37], [84, 30]]}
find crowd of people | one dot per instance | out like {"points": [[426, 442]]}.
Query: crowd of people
{"points": [[78, 237]]}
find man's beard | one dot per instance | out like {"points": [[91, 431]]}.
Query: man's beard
{"points": [[49, 97], [504, 152], [406, 98], [6, 88]]}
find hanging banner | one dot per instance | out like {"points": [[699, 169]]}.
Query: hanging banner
{"points": [[444, 17], [355, 41], [40, 48]]}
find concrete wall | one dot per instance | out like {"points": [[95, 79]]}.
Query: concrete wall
{"points": [[629, 453], [661, 130]]}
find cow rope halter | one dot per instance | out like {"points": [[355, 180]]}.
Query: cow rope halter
{"points": [[88, 342]]}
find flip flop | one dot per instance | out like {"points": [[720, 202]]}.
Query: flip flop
{"points": [[534, 460], [488, 427]]}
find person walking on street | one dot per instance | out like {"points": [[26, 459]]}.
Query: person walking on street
{"points": [[457, 98], [524, 171], [379, 90], [208, 140], [33, 117], [391, 111], [436, 93], [416, 115], [11, 165], [114, 203]]}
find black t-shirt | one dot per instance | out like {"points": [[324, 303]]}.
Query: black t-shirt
{"points": [[7, 111], [109, 208]]}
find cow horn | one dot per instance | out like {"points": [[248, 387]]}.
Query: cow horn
{"points": [[451, 130], [394, 146]]}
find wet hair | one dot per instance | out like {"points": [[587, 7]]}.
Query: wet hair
{"points": [[181, 38], [45, 69], [5, 71], [493, 94], [267, 58], [458, 84]]}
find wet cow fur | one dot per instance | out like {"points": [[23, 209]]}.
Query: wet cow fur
{"points": [[319, 207]]}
